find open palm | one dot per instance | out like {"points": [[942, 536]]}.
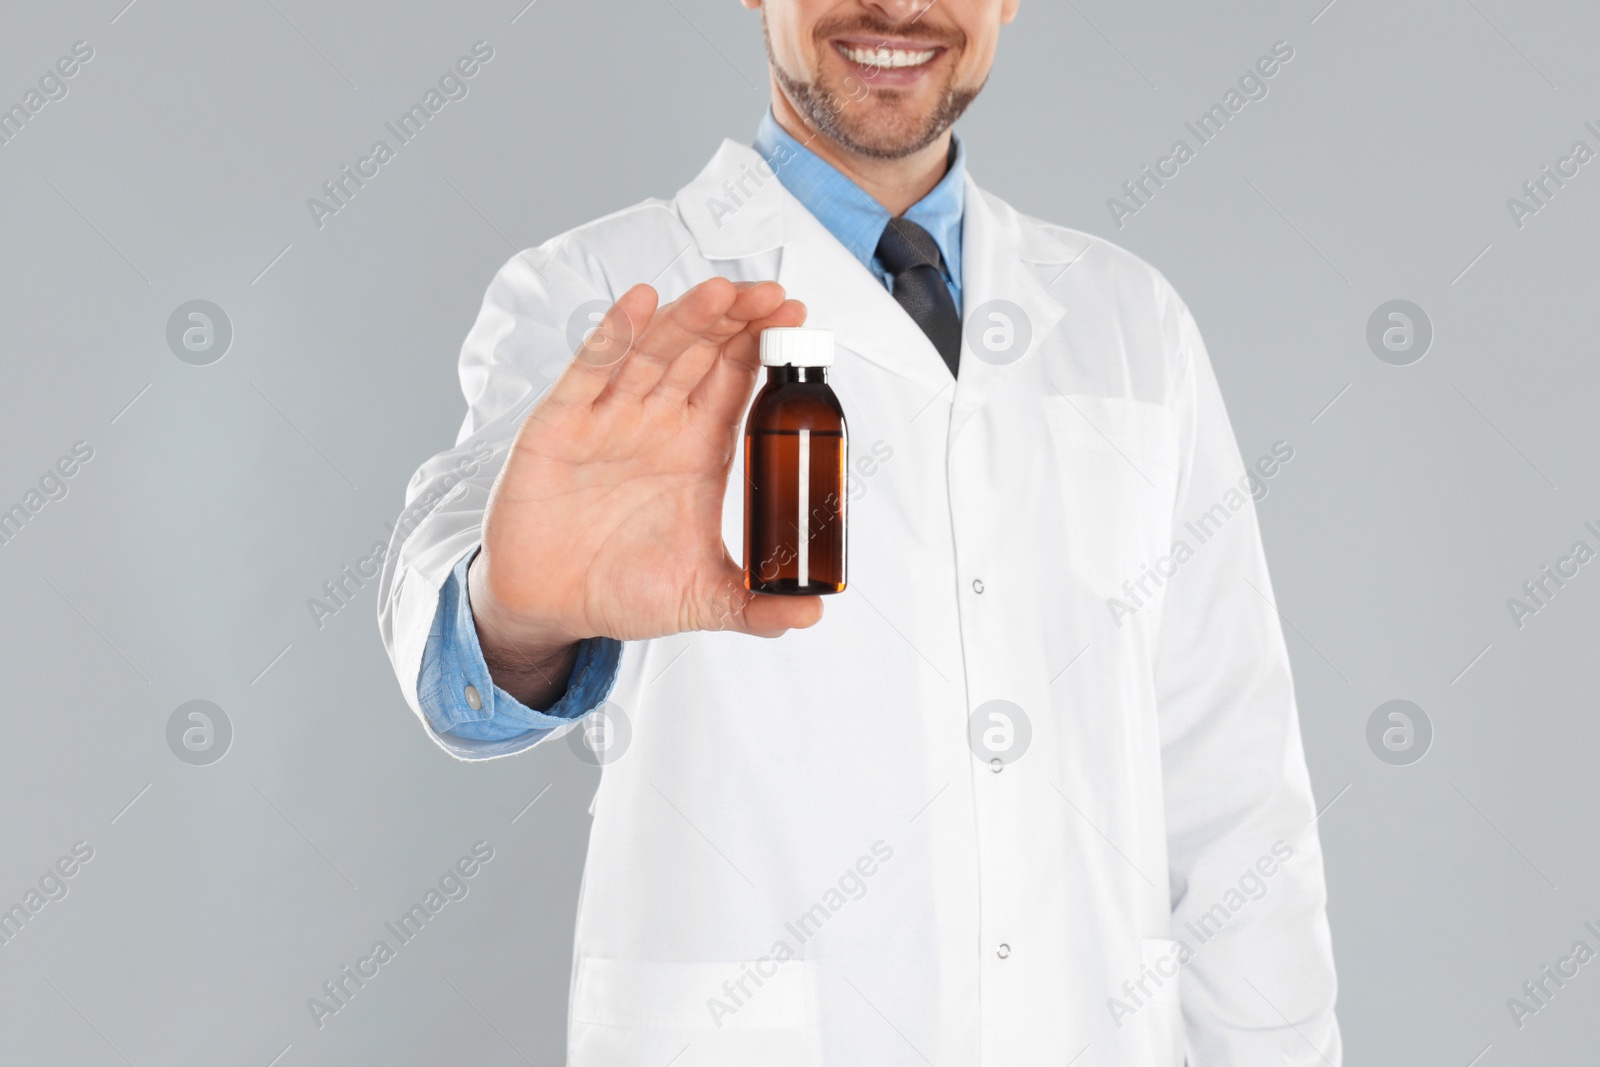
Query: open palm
{"points": [[607, 518]]}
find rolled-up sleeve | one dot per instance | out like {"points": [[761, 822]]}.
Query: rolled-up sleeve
{"points": [[455, 677]]}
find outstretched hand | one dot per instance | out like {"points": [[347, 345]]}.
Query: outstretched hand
{"points": [[607, 517]]}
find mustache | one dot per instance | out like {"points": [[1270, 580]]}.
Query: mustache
{"points": [[868, 25]]}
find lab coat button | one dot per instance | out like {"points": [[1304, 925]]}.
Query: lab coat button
{"points": [[977, 585], [1003, 951], [997, 765], [474, 701]]}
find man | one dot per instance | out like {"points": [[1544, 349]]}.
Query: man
{"points": [[1032, 788]]}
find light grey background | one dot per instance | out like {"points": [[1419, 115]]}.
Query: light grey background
{"points": [[179, 565]]}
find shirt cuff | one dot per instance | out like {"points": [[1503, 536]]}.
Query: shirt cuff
{"points": [[454, 676]]}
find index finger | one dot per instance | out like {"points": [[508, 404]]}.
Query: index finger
{"points": [[672, 331], [591, 367]]}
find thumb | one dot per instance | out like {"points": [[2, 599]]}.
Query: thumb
{"points": [[733, 607], [771, 616]]}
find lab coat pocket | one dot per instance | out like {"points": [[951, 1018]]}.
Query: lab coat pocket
{"points": [[717, 1014], [1163, 1012], [1117, 467]]}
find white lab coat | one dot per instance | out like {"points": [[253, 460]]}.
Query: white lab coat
{"points": [[810, 809]]}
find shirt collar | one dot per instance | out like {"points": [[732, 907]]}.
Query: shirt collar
{"points": [[852, 215]]}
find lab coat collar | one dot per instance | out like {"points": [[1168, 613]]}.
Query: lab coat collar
{"points": [[736, 208]]}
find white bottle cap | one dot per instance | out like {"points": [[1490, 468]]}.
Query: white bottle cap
{"points": [[796, 346]]}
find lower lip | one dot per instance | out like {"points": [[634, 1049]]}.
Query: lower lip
{"points": [[891, 76]]}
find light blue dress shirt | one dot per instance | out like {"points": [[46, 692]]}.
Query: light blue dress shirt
{"points": [[453, 659]]}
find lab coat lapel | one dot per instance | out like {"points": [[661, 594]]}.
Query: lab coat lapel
{"points": [[1006, 259], [846, 298], [737, 208]]}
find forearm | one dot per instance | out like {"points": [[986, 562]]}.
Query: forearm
{"points": [[525, 659], [535, 678]]}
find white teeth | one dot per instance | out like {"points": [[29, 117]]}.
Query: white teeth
{"points": [[888, 58]]}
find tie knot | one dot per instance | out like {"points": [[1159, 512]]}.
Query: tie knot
{"points": [[904, 245]]}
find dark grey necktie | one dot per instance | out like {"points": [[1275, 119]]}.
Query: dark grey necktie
{"points": [[911, 256]]}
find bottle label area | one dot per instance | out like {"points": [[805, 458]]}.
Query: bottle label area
{"points": [[795, 511]]}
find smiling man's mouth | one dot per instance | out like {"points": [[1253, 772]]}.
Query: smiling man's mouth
{"points": [[884, 56], [893, 89]]}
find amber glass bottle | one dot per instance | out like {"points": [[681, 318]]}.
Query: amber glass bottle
{"points": [[795, 456]]}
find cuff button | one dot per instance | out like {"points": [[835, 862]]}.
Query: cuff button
{"points": [[474, 701]]}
